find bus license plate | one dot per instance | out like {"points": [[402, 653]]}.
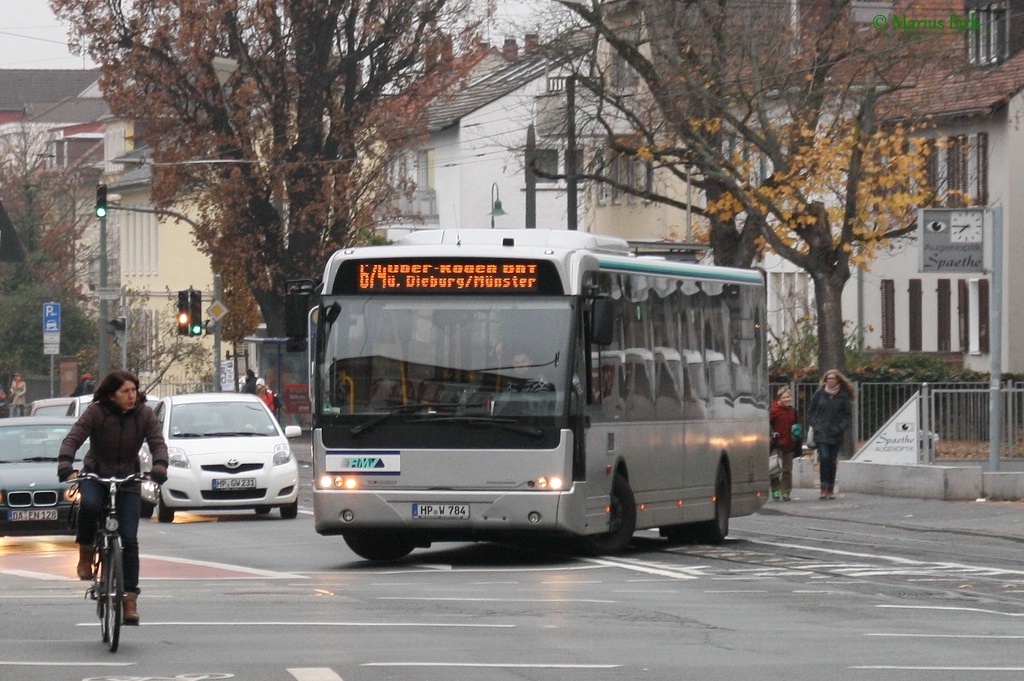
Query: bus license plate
{"points": [[15, 516], [234, 483], [453, 511]]}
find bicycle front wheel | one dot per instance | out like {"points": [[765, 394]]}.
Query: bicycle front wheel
{"points": [[112, 593]]}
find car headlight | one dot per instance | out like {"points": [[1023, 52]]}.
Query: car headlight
{"points": [[176, 458], [150, 492], [282, 454]]}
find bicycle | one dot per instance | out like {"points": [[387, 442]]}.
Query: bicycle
{"points": [[108, 562]]}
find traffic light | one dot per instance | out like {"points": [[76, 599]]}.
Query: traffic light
{"points": [[183, 314], [101, 201], [118, 324], [195, 313]]}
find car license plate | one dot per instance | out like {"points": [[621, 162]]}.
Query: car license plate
{"points": [[234, 483], [16, 516], [453, 511]]}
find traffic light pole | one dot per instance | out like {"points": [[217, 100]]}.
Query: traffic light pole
{"points": [[103, 353]]}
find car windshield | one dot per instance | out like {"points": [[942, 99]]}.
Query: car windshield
{"points": [[221, 419], [50, 410], [36, 442], [493, 356]]}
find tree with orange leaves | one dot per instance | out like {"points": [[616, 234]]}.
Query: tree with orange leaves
{"points": [[274, 120], [771, 110]]}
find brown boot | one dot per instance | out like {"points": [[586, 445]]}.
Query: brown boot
{"points": [[824, 492], [85, 561], [131, 608]]}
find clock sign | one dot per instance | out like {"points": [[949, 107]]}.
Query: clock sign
{"points": [[951, 239], [965, 226]]}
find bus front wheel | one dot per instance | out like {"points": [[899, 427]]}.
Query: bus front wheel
{"points": [[621, 522], [379, 545]]}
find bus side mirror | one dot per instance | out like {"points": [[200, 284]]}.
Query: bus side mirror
{"points": [[602, 321]]}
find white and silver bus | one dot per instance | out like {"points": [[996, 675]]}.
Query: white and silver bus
{"points": [[482, 385]]}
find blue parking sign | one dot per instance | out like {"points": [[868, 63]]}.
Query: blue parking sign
{"points": [[51, 317]]}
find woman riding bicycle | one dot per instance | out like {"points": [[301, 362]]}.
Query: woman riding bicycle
{"points": [[116, 424]]}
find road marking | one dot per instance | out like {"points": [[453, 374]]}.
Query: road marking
{"points": [[247, 623], [645, 567], [11, 663], [491, 665], [314, 674], [493, 600], [938, 669], [974, 570], [952, 609], [982, 636]]}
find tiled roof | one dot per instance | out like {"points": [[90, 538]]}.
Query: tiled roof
{"points": [[70, 110], [21, 87], [957, 91], [448, 111]]}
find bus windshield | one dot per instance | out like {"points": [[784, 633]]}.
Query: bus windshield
{"points": [[423, 358]]}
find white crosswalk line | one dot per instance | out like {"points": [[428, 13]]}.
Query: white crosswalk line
{"points": [[314, 674]]}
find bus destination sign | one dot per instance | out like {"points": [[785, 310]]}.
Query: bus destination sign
{"points": [[449, 275]]}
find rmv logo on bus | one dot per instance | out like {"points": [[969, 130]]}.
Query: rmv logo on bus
{"points": [[366, 462]]}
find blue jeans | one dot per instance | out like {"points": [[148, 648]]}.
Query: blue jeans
{"points": [[129, 507], [828, 459]]}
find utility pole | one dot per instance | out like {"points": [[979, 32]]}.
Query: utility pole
{"points": [[103, 350], [217, 292]]}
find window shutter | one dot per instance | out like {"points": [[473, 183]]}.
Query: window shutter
{"points": [[914, 291], [963, 314], [888, 314], [983, 316], [943, 341], [982, 158]]}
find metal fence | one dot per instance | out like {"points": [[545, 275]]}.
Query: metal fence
{"points": [[958, 414]]}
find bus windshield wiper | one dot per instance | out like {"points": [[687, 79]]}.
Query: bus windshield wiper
{"points": [[372, 423], [506, 423]]}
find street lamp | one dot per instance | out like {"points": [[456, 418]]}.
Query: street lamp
{"points": [[496, 209]]}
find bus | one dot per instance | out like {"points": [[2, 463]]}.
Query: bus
{"points": [[476, 385]]}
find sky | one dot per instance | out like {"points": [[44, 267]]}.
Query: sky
{"points": [[32, 38]]}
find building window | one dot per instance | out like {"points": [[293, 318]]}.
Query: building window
{"points": [[987, 41], [957, 169], [545, 164], [976, 316]]}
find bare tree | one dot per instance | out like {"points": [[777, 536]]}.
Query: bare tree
{"points": [[275, 119], [771, 110]]}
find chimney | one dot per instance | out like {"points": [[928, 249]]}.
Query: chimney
{"points": [[531, 42], [510, 50]]}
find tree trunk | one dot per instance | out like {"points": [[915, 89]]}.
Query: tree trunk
{"points": [[828, 300]]}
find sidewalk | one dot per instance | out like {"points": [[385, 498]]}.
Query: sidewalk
{"points": [[999, 519]]}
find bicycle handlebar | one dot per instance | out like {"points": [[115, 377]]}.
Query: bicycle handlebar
{"points": [[89, 475]]}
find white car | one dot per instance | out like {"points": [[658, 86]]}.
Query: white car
{"points": [[225, 451], [78, 405]]}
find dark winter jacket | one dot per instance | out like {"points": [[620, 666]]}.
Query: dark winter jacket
{"points": [[115, 438], [830, 416]]}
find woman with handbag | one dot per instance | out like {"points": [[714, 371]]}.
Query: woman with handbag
{"points": [[784, 424], [831, 415]]}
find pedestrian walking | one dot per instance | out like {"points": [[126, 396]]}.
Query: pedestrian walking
{"points": [[19, 392], [785, 424], [249, 385], [830, 415]]}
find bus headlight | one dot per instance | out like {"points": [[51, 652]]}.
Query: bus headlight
{"points": [[338, 482], [554, 482]]}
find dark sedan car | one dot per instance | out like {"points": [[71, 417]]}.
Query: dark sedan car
{"points": [[32, 500]]}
